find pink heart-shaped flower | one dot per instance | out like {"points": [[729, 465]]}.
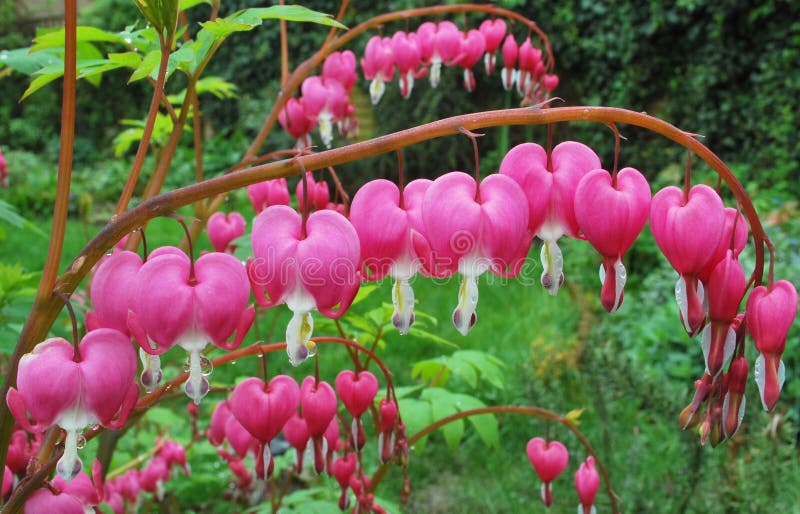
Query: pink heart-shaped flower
{"points": [[112, 289], [263, 410], [357, 391], [224, 228], [319, 405]]}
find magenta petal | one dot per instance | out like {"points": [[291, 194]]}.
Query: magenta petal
{"points": [[112, 289], [526, 164], [329, 258], [505, 240], [224, 228], [770, 313], [275, 236], [43, 501], [382, 226], [263, 411], [725, 289], [48, 380], [319, 404], [163, 300], [452, 220], [221, 295], [108, 368], [357, 391]]}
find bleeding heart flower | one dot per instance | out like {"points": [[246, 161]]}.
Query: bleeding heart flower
{"points": [[470, 230], [587, 481], [509, 74], [735, 400], [297, 121], [439, 43], [405, 49], [357, 392], [343, 470], [550, 82], [687, 229], [378, 66], [549, 183], [549, 459], [325, 100], [493, 33], [530, 59], [44, 500], [611, 212], [59, 387], [386, 246], [388, 419], [473, 46], [269, 192], [726, 288], [153, 477], [316, 270], [223, 229], [318, 195], [729, 241], [178, 302], [341, 66], [264, 409], [770, 312], [333, 442], [224, 426], [319, 404], [296, 433]]}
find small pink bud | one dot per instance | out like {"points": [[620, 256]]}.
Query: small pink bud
{"points": [[587, 481]]}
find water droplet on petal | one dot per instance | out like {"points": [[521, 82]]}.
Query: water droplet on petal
{"points": [[81, 444], [206, 366]]}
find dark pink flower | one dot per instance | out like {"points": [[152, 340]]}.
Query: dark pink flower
{"points": [[493, 33], [297, 121], [439, 44], [587, 481], [549, 459], [269, 192], [341, 66], [378, 66], [223, 229], [509, 75]]}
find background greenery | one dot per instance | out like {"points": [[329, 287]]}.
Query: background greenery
{"points": [[727, 70]]}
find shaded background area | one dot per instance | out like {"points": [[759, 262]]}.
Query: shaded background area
{"points": [[727, 70]]}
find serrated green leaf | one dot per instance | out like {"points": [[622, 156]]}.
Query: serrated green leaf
{"points": [[84, 34], [41, 81], [126, 59]]}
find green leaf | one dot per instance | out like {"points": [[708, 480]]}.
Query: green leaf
{"points": [[148, 64], [422, 334], [126, 59], [484, 424], [430, 370], [84, 34], [41, 81], [416, 415], [363, 292], [23, 61], [444, 404], [188, 4], [297, 13], [489, 367]]}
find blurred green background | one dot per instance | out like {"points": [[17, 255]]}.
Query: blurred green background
{"points": [[727, 70]]}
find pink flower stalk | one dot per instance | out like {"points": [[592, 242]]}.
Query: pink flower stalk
{"points": [[319, 404], [223, 229], [378, 66], [687, 229], [59, 386], [297, 121], [470, 230], [386, 246], [296, 433], [770, 312], [509, 75], [311, 267], [325, 100], [611, 212], [269, 192], [473, 46], [405, 49], [729, 241], [493, 33], [263, 409], [177, 302], [341, 66], [587, 481], [735, 400], [549, 459], [357, 392], [725, 289], [549, 183], [319, 194], [439, 44]]}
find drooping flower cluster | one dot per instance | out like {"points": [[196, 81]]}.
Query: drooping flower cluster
{"points": [[324, 102], [433, 45]]}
